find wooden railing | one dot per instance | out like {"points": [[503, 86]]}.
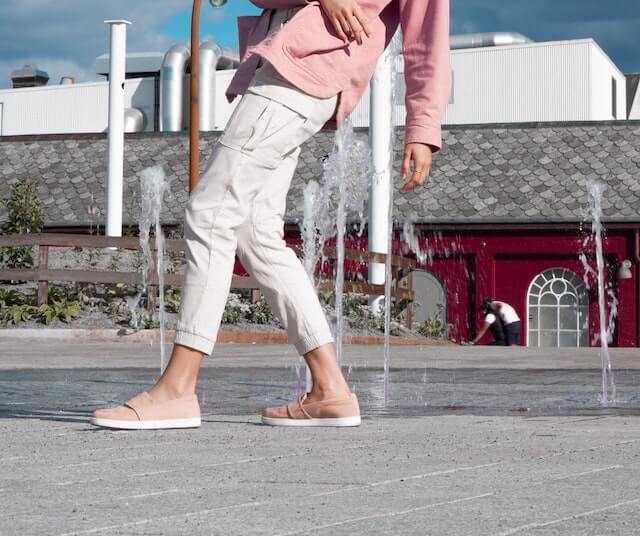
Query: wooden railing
{"points": [[401, 284]]}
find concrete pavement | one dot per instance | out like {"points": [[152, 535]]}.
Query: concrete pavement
{"points": [[475, 441]]}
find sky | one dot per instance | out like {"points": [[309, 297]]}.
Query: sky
{"points": [[63, 37]]}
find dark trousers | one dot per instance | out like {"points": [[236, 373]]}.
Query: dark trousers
{"points": [[512, 333]]}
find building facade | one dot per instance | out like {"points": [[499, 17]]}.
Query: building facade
{"points": [[505, 213]]}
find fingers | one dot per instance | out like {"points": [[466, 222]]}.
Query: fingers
{"points": [[405, 162], [420, 170], [337, 24], [356, 28], [351, 22], [410, 185], [344, 24], [357, 12]]}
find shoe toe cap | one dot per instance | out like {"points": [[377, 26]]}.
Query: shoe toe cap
{"points": [[121, 413], [278, 412]]}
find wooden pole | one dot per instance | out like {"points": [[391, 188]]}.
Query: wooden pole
{"points": [[43, 265], [194, 124]]}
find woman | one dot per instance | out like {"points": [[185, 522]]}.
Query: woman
{"points": [[305, 66]]}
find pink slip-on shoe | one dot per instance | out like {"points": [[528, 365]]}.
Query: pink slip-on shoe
{"points": [[330, 412], [142, 412]]}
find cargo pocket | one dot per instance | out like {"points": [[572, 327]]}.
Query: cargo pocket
{"points": [[264, 129], [210, 192]]}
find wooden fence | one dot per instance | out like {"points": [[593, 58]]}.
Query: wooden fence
{"points": [[401, 284]]}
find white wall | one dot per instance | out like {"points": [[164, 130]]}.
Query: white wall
{"points": [[70, 108], [223, 108], [602, 71], [532, 82], [634, 113], [550, 81]]}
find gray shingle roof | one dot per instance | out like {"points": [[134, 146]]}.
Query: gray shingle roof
{"points": [[526, 172]]}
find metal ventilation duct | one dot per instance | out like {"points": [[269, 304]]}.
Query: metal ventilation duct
{"points": [[487, 39], [172, 87], [210, 54], [174, 66], [134, 120], [230, 59], [29, 76]]}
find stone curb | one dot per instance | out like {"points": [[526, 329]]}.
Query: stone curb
{"points": [[151, 335]]}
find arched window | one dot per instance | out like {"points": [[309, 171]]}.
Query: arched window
{"points": [[558, 310]]}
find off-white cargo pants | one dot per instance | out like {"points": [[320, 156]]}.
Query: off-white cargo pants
{"points": [[238, 207]]}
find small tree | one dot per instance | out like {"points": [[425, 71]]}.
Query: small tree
{"points": [[25, 214]]}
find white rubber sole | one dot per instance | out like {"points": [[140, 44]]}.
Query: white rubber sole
{"points": [[146, 425], [336, 422]]}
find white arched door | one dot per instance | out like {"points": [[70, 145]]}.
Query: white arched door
{"points": [[558, 310]]}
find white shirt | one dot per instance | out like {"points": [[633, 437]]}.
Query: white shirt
{"points": [[491, 318], [508, 314]]}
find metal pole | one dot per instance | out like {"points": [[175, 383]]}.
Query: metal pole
{"points": [[380, 139], [115, 136], [194, 123]]}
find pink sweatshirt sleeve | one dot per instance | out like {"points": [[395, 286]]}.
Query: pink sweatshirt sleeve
{"points": [[427, 68]]}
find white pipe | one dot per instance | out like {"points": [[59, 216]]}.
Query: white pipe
{"points": [[117, 58], [380, 109]]}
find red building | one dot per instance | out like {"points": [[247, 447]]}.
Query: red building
{"points": [[506, 214]]}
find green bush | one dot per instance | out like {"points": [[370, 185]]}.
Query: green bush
{"points": [[65, 311], [235, 310], [172, 299], [261, 312], [9, 297], [25, 214], [14, 314], [435, 326]]}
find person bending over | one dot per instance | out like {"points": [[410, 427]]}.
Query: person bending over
{"points": [[491, 322], [508, 316]]}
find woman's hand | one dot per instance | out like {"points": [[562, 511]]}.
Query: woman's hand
{"points": [[420, 154], [347, 18]]}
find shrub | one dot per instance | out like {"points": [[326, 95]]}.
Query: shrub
{"points": [[14, 314], [435, 326], [172, 299], [65, 311], [25, 214], [261, 312], [9, 297], [234, 310]]}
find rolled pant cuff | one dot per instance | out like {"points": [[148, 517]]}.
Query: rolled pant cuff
{"points": [[313, 341], [197, 342]]}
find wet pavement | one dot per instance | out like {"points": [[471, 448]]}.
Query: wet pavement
{"points": [[477, 441]]}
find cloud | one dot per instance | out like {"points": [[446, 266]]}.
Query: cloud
{"points": [[65, 36], [612, 24], [214, 15]]}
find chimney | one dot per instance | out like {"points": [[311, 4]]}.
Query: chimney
{"points": [[29, 76]]}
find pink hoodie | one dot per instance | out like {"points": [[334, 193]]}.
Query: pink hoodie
{"points": [[309, 54]]}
